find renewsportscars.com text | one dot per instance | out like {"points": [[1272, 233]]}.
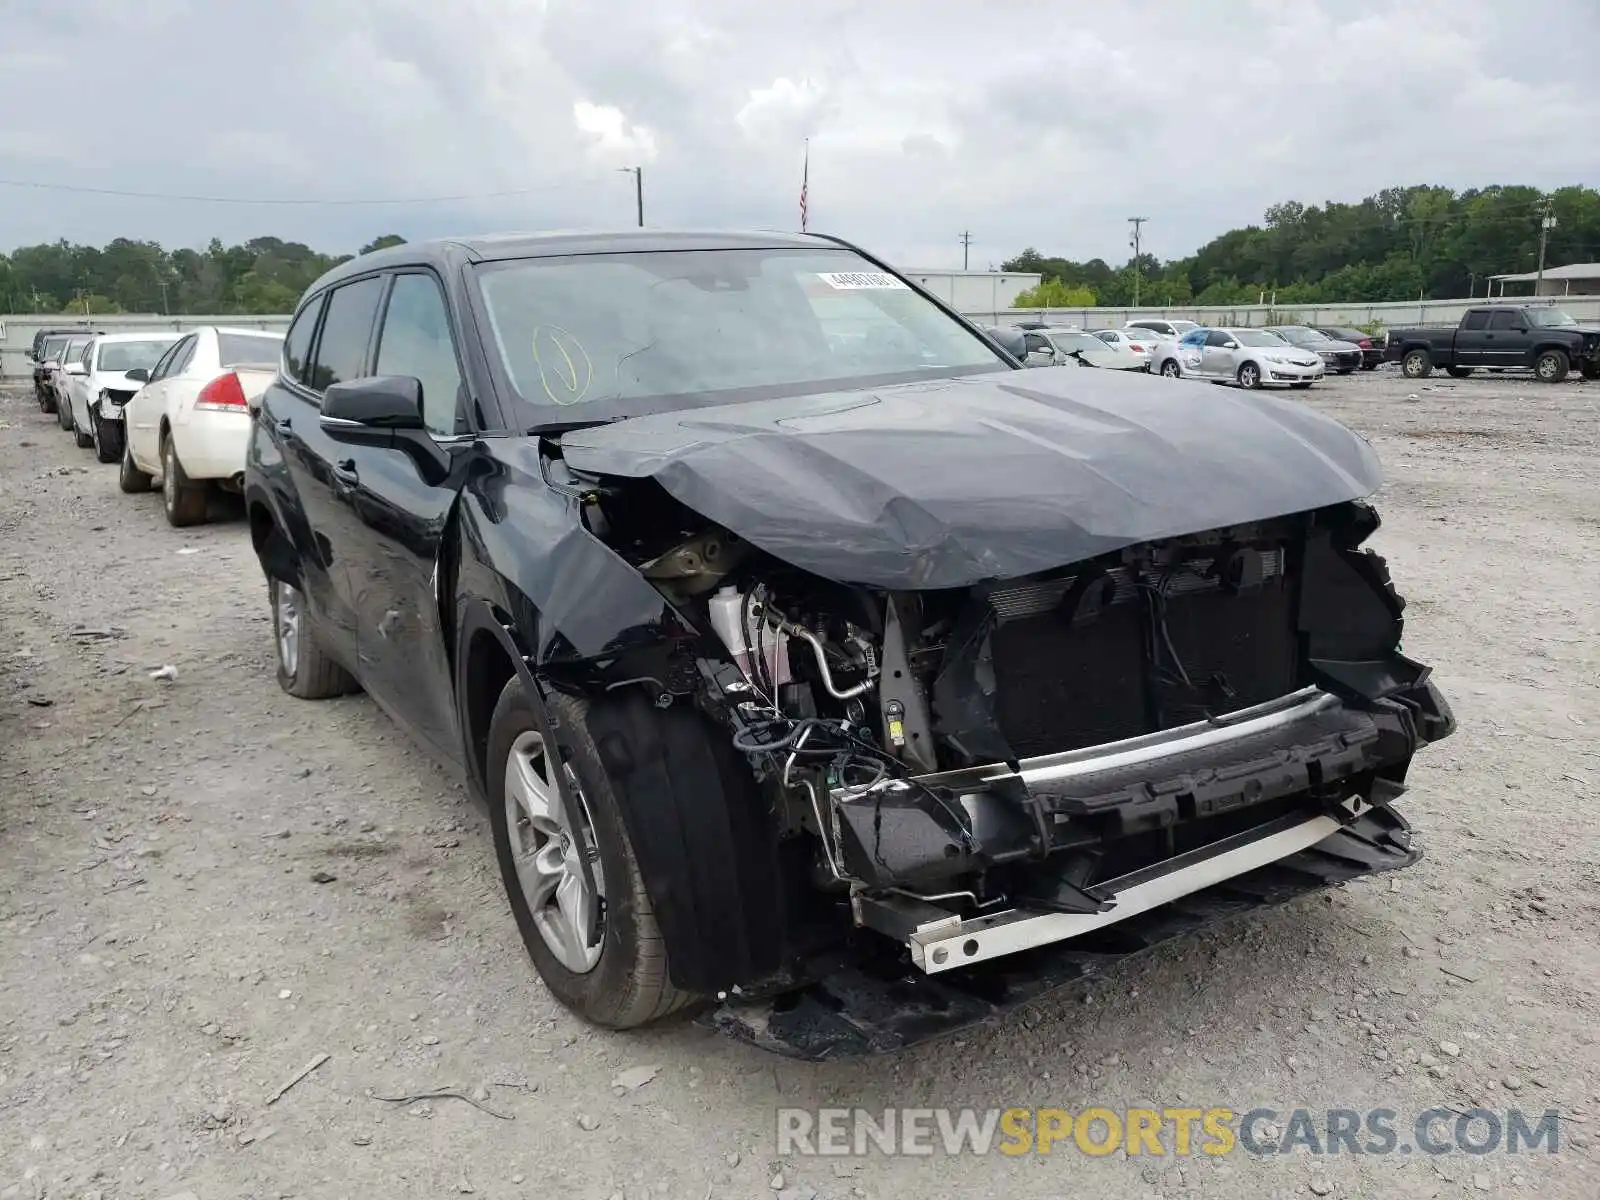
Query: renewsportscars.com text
{"points": [[1179, 1132]]}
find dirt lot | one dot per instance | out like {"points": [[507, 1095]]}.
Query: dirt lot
{"points": [[168, 960]]}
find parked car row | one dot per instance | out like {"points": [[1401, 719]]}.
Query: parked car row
{"points": [[803, 660], [167, 406]]}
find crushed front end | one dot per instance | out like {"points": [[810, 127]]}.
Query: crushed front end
{"points": [[1002, 787]]}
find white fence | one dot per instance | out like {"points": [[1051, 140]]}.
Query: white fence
{"points": [[1411, 312], [17, 330]]}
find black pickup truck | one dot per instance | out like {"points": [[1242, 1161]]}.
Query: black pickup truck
{"points": [[1503, 336]]}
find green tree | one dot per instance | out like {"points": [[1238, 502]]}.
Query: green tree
{"points": [[383, 243], [1052, 293]]}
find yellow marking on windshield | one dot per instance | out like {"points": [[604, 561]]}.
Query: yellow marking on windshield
{"points": [[570, 379]]}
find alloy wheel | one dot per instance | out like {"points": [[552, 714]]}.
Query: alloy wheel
{"points": [[548, 869]]}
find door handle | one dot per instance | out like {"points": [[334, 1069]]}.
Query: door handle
{"points": [[345, 472], [283, 427]]}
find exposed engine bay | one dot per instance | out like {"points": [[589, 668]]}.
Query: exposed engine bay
{"points": [[978, 771]]}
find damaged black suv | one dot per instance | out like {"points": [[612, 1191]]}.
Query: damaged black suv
{"points": [[814, 661]]}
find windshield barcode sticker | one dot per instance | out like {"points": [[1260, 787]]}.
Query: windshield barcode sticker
{"points": [[856, 280]]}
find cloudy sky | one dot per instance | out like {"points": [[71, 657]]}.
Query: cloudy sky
{"points": [[1043, 125]]}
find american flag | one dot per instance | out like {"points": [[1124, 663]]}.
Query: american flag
{"points": [[805, 175]]}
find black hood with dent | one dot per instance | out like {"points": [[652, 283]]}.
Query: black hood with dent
{"points": [[948, 483]]}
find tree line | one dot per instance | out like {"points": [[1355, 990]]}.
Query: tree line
{"points": [[1400, 244], [264, 275]]}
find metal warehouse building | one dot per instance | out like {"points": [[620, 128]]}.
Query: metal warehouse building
{"points": [[975, 291]]}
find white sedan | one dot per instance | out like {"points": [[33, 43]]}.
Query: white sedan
{"points": [[1140, 342], [97, 394], [189, 424], [1251, 358], [1065, 347]]}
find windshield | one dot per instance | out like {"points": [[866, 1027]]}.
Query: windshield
{"points": [[1184, 326], [1068, 342], [1547, 317], [616, 334], [129, 356], [1299, 335], [239, 349], [1256, 337]]}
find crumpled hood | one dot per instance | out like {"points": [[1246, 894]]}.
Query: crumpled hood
{"points": [[951, 482]]}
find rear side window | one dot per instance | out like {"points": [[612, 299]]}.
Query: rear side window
{"points": [[297, 344], [234, 349], [1506, 320], [1476, 320], [346, 331], [181, 360]]}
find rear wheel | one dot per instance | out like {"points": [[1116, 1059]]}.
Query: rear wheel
{"points": [[1249, 376], [1169, 369], [1417, 364], [1552, 366], [304, 671], [1458, 372], [622, 980], [129, 477], [107, 438], [184, 500]]}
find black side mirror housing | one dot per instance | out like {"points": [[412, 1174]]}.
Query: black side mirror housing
{"points": [[139, 375], [384, 411]]}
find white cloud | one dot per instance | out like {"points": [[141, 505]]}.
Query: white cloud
{"points": [[614, 137], [926, 117]]}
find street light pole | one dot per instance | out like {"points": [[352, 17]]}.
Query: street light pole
{"points": [[1546, 224], [638, 188]]}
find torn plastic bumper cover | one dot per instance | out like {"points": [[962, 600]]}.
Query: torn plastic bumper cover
{"points": [[1333, 768]]}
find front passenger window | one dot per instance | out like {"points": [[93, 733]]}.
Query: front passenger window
{"points": [[416, 341]]}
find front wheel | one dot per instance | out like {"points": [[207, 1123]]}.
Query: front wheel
{"points": [[47, 402], [129, 477], [1552, 366], [83, 437], [1590, 369], [1417, 364], [107, 438], [620, 981], [1249, 376], [64, 414], [1369, 366], [184, 500]]}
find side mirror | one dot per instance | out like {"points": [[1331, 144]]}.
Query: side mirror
{"points": [[1230, 344], [385, 411], [377, 405], [1012, 342], [139, 375], [76, 368]]}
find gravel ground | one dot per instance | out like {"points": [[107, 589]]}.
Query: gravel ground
{"points": [[168, 958]]}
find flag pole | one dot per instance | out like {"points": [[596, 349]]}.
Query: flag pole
{"points": [[805, 183]]}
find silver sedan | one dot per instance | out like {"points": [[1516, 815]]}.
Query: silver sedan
{"points": [[1251, 358]]}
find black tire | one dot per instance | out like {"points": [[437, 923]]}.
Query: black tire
{"points": [[1551, 366], [107, 438], [1347, 370], [1589, 369], [630, 984], [1170, 369], [1369, 366], [83, 437], [185, 502], [1417, 364], [1300, 387], [47, 401], [1458, 372], [1248, 376], [64, 415], [129, 477], [312, 674]]}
